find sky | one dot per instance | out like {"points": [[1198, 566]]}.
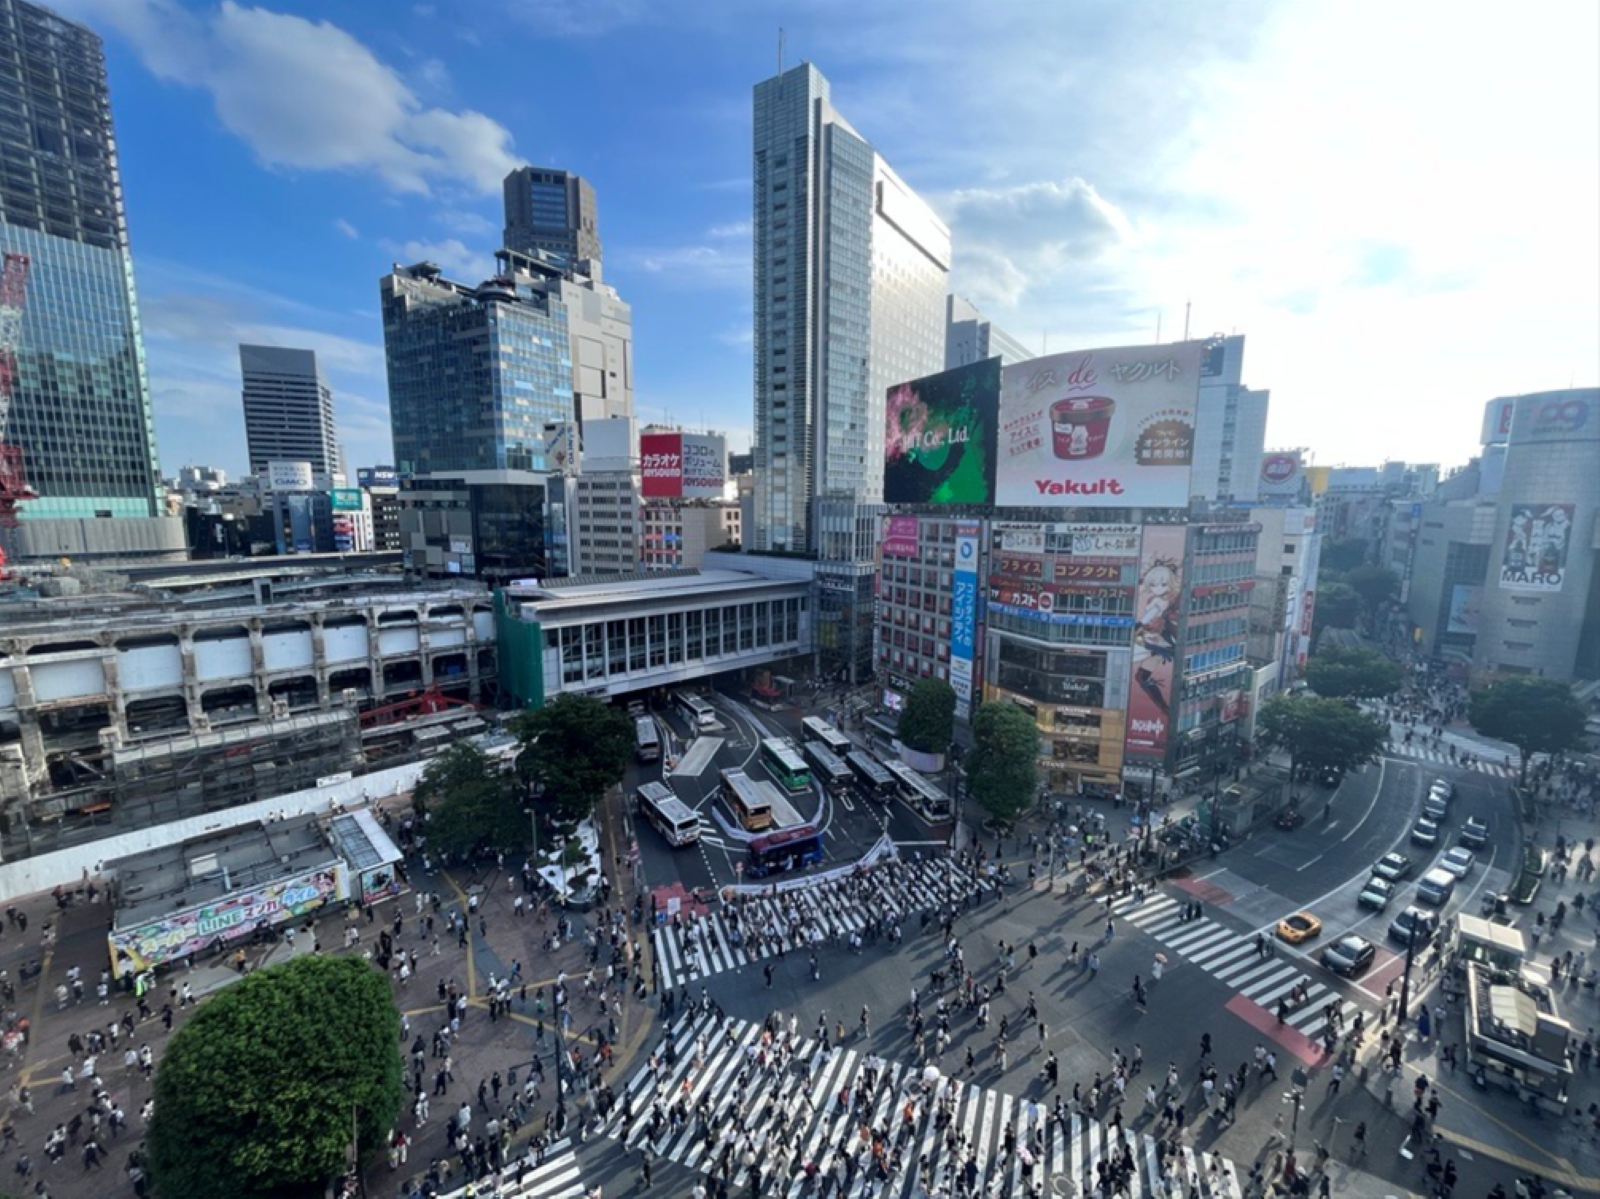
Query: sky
{"points": [[1395, 201]]}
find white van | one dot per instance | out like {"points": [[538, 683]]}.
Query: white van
{"points": [[1436, 887]]}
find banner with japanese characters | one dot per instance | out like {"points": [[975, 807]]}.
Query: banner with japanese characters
{"points": [[691, 466], [1099, 428], [1535, 554]]}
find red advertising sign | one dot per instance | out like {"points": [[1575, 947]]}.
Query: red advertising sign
{"points": [[900, 537], [1099, 572], [661, 465]]}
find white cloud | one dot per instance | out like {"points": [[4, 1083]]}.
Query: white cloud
{"points": [[720, 258], [467, 223], [346, 228], [459, 261], [307, 95]]}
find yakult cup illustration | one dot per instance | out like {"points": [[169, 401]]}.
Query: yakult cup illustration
{"points": [[1079, 425]]}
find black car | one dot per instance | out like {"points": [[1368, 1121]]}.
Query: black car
{"points": [[1425, 923], [1350, 955], [1330, 776]]}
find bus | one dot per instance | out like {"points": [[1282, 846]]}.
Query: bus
{"points": [[745, 801], [646, 740], [788, 849], [675, 820], [874, 779], [696, 711], [919, 792], [784, 763], [818, 729], [835, 775]]}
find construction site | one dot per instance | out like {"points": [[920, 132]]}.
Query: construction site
{"points": [[196, 691]]}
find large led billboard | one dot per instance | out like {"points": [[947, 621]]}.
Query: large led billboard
{"points": [[687, 466], [1099, 428], [1534, 557], [939, 437]]}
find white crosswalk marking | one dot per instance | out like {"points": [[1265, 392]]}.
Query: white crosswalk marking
{"points": [[1418, 753], [712, 945], [1231, 958], [555, 1178], [794, 1115]]}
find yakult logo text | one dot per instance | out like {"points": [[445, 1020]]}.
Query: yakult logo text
{"points": [[1076, 487]]}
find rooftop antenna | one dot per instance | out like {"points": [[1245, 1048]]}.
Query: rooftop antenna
{"points": [[1186, 307]]}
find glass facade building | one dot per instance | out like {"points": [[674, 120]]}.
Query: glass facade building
{"points": [[553, 211], [80, 404], [850, 268], [475, 374]]}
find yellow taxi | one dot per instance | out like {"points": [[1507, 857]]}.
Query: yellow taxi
{"points": [[1301, 926]]}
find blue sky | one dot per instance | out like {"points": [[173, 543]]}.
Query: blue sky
{"points": [[1396, 202]]}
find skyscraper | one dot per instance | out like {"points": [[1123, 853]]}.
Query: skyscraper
{"points": [[288, 409], [475, 373], [969, 336], [552, 211], [80, 404], [850, 280]]}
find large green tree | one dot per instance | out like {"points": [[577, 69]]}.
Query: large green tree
{"points": [[1002, 766], [574, 749], [1320, 734], [1376, 585], [1339, 673], [471, 806], [1337, 607], [1340, 554], [1534, 714], [256, 1092], [929, 719]]}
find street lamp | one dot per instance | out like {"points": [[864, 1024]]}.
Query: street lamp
{"points": [[1294, 1095]]}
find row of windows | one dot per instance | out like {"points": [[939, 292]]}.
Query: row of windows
{"points": [[595, 651]]}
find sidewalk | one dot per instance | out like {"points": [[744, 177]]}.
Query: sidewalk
{"points": [[487, 1051]]}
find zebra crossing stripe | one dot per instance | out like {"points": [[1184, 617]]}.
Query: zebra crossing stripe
{"points": [[556, 1178], [982, 1116]]}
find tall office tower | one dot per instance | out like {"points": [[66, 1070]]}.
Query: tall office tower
{"points": [[288, 409], [850, 280], [475, 373], [969, 336], [80, 400], [552, 211], [1230, 427]]}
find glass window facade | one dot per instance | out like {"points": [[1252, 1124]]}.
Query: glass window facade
{"points": [[80, 406]]}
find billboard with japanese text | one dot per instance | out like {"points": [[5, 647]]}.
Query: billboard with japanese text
{"points": [[1535, 554], [1282, 475], [1155, 640], [939, 437], [964, 618], [186, 933], [1466, 601], [689, 466], [1107, 428], [1552, 416], [1497, 421], [900, 536]]}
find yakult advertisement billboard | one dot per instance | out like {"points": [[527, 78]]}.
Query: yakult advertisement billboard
{"points": [[1099, 428], [689, 466]]}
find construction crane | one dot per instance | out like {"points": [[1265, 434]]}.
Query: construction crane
{"points": [[13, 480]]}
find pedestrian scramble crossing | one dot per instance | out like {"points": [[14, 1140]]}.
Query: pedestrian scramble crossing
{"points": [[793, 1116], [1231, 958], [691, 951], [555, 1178], [1441, 757]]}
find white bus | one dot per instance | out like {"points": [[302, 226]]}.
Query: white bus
{"points": [[818, 729], [670, 816], [835, 775], [749, 804], [647, 741], [874, 779], [696, 711], [919, 792]]}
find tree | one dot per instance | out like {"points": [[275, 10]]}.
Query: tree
{"points": [[928, 721], [1337, 607], [255, 1093], [1340, 554], [1352, 673], [470, 804], [574, 749], [1319, 733], [1376, 585], [1534, 714], [1003, 764]]}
